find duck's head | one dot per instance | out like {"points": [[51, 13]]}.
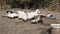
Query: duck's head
{"points": [[9, 11], [38, 11]]}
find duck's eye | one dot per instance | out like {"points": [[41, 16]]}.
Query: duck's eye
{"points": [[7, 11], [51, 16], [11, 12]]}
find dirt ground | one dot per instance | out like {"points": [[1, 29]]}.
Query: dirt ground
{"points": [[15, 26]]}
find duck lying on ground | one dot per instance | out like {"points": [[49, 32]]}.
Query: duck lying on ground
{"points": [[11, 14], [33, 14], [50, 16], [38, 19], [22, 15]]}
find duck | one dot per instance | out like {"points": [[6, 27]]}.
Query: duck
{"points": [[33, 14], [11, 14], [50, 16], [22, 15]]}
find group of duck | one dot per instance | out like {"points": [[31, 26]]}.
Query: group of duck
{"points": [[34, 16]]}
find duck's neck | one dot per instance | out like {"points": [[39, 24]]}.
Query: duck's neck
{"points": [[37, 10]]}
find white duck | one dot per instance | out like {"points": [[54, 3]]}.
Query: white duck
{"points": [[33, 14], [22, 14], [11, 14], [49, 16], [36, 19]]}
